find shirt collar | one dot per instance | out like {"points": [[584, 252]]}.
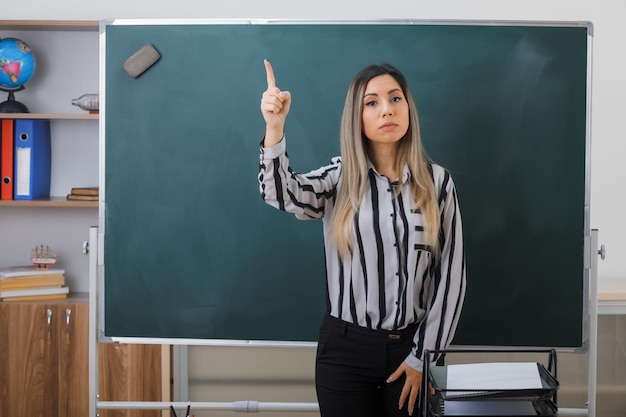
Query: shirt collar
{"points": [[406, 173]]}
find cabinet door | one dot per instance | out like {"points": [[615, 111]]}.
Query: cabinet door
{"points": [[28, 360], [73, 320], [130, 373]]}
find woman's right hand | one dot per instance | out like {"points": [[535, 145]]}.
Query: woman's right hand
{"points": [[274, 107]]}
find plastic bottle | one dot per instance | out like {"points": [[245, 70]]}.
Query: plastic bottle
{"points": [[88, 102]]}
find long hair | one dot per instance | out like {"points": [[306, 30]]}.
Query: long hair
{"points": [[354, 175]]}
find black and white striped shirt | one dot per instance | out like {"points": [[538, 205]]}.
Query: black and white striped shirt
{"points": [[392, 279]]}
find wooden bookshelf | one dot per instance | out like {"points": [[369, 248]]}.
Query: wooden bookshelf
{"points": [[50, 25], [55, 380], [51, 202], [50, 116]]}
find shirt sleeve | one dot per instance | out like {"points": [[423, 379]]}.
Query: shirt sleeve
{"points": [[303, 195], [446, 289]]}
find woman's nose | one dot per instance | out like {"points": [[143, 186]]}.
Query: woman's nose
{"points": [[386, 110]]}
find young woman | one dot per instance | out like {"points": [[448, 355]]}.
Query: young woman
{"points": [[395, 267]]}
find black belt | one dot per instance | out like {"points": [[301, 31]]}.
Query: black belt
{"points": [[346, 327]]}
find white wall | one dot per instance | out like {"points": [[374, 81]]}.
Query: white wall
{"points": [[609, 65]]}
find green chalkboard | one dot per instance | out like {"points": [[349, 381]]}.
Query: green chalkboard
{"points": [[192, 252]]}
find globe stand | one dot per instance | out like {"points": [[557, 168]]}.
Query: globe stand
{"points": [[11, 105]]}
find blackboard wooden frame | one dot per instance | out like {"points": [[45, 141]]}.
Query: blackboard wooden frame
{"points": [[537, 325]]}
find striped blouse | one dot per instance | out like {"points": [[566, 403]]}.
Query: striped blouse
{"points": [[392, 278]]}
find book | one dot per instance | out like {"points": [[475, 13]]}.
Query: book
{"points": [[82, 197], [21, 271], [36, 297], [31, 281], [11, 294], [85, 191]]}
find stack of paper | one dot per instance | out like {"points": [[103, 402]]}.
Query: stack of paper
{"points": [[487, 377], [492, 389], [29, 283]]}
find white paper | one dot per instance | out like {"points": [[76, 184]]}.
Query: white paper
{"points": [[496, 376]]}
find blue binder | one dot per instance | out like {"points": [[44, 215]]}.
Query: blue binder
{"points": [[32, 159]]}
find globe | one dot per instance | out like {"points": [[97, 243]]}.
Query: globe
{"points": [[17, 66]]}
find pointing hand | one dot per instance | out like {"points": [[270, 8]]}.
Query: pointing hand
{"points": [[274, 107]]}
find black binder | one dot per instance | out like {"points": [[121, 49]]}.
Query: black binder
{"points": [[441, 400]]}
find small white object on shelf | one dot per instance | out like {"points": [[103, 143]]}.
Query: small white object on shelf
{"points": [[42, 256]]}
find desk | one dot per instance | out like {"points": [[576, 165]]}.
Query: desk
{"points": [[611, 296]]}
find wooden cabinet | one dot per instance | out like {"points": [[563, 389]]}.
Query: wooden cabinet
{"points": [[44, 346], [43, 358], [133, 373]]}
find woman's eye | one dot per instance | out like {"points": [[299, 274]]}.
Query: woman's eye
{"points": [[396, 99], [370, 103]]}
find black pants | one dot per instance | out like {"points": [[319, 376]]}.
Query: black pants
{"points": [[352, 366]]}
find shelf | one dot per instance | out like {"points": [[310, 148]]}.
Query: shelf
{"points": [[59, 25], [50, 116], [51, 202]]}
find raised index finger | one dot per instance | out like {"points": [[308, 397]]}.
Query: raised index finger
{"points": [[271, 81]]}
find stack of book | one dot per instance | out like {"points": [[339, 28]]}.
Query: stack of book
{"points": [[84, 194], [29, 283]]}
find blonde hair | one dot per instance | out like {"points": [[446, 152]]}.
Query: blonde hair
{"points": [[354, 174]]}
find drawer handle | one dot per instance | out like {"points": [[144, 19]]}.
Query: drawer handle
{"points": [[68, 313], [49, 316]]}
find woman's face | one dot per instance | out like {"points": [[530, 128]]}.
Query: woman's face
{"points": [[385, 110]]}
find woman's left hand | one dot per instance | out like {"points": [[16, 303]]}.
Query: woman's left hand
{"points": [[412, 385]]}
